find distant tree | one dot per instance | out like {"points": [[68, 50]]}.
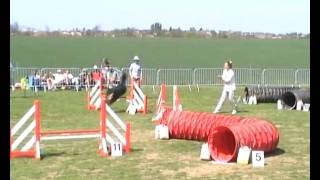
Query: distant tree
{"points": [[170, 29], [214, 33], [192, 29], [200, 29], [177, 32], [47, 29], [156, 27], [14, 28], [88, 32], [96, 29]]}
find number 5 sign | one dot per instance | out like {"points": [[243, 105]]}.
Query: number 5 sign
{"points": [[116, 149], [257, 158]]}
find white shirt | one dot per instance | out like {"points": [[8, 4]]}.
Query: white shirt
{"points": [[228, 77], [107, 73], [135, 70]]}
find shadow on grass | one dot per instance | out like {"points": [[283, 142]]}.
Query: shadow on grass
{"points": [[26, 96], [136, 150], [51, 154], [229, 112], [276, 152], [120, 111]]}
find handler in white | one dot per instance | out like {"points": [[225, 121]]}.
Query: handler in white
{"points": [[228, 89], [135, 70]]}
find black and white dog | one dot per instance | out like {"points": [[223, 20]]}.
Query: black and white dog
{"points": [[116, 92]]}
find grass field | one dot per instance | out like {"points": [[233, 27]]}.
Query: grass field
{"points": [[150, 158], [158, 52]]}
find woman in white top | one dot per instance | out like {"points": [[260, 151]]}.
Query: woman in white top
{"points": [[135, 70], [228, 88]]}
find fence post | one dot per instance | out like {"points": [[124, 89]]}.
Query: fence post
{"points": [[158, 76], [296, 77], [194, 76], [262, 77]]}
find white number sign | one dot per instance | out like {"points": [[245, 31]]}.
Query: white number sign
{"points": [[116, 149], [257, 158]]}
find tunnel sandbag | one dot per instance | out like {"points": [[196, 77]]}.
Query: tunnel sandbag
{"points": [[225, 141], [291, 98], [265, 94]]}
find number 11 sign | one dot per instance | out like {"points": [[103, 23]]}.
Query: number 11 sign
{"points": [[257, 158], [116, 149]]}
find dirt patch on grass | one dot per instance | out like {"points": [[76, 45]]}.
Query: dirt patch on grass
{"points": [[152, 156], [142, 136], [208, 168], [168, 172]]}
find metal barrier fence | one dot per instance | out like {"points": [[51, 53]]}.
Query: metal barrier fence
{"points": [[278, 76], [149, 76], [188, 76], [209, 76], [175, 76], [17, 73], [302, 77]]}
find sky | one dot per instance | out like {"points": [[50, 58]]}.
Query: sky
{"points": [[275, 16]]}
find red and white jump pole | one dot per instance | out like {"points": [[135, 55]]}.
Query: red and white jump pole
{"points": [[32, 147], [94, 96], [119, 130], [137, 99]]}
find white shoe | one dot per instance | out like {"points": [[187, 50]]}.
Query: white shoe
{"points": [[234, 112], [215, 112]]}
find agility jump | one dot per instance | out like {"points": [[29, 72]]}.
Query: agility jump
{"points": [[112, 131], [138, 101], [94, 96]]}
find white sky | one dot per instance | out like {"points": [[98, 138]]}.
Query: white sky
{"points": [[276, 16]]}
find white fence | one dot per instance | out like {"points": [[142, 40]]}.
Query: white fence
{"points": [[196, 76]]}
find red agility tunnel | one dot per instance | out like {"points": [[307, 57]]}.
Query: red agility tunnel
{"points": [[196, 125], [224, 141], [224, 133]]}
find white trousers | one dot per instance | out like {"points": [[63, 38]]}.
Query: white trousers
{"points": [[224, 95]]}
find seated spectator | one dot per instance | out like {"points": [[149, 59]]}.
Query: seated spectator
{"points": [[50, 81], [36, 80], [30, 80], [58, 79]]}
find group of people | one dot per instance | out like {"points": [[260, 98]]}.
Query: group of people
{"points": [[48, 80], [63, 79], [112, 79], [109, 74]]}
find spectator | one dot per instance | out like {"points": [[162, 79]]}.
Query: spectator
{"points": [[65, 78], [36, 80], [96, 74], [30, 80], [50, 80], [135, 70], [109, 74]]}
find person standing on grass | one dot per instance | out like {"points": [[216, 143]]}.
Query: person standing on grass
{"points": [[228, 88], [135, 70], [108, 73]]}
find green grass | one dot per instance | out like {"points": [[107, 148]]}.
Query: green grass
{"points": [[150, 158], [158, 52]]}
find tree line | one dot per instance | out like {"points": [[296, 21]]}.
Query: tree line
{"points": [[155, 30]]}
